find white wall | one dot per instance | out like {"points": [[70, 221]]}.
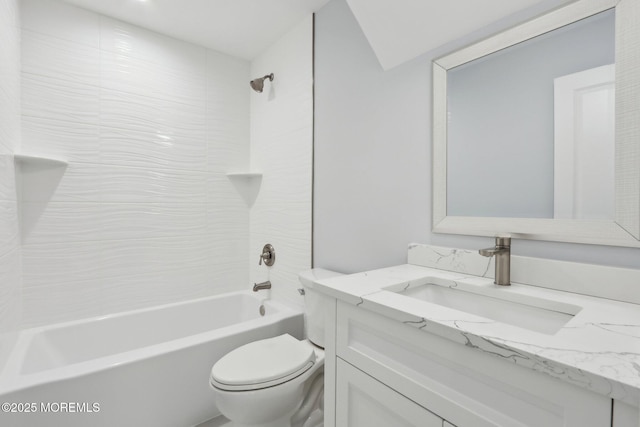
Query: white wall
{"points": [[281, 148], [144, 213], [372, 192], [10, 276]]}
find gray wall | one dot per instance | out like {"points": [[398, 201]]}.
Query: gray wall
{"points": [[372, 190]]}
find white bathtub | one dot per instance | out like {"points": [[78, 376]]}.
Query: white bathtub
{"points": [[141, 368]]}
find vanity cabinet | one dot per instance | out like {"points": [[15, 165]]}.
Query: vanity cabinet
{"points": [[387, 370], [625, 415], [361, 401]]}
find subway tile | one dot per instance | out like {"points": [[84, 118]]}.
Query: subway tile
{"points": [[5, 150], [162, 151], [228, 276], [228, 83], [229, 249], [56, 222], [227, 261], [227, 144], [142, 256], [10, 270], [62, 20], [60, 222], [122, 110], [8, 188], [130, 292], [125, 39], [147, 132], [73, 142], [76, 182], [61, 302], [124, 73], [10, 124], [65, 103], [54, 263], [9, 54], [9, 12], [222, 194], [128, 184], [9, 232], [10, 301], [180, 285], [59, 60], [293, 219], [143, 220], [155, 288], [282, 116]]}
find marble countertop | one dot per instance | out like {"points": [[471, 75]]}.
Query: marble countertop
{"points": [[599, 348]]}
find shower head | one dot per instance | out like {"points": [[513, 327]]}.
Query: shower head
{"points": [[258, 84]]}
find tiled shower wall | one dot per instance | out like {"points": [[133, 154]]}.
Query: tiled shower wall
{"points": [[143, 214], [9, 143], [281, 147]]}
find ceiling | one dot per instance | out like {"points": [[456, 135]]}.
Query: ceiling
{"points": [[241, 28], [398, 30]]}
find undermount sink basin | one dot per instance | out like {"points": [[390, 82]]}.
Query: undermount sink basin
{"points": [[494, 303]]}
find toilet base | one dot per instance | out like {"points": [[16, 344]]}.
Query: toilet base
{"points": [[283, 422]]}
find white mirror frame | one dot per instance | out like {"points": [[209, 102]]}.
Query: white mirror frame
{"points": [[625, 230]]}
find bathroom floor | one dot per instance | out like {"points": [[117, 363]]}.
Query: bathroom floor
{"points": [[315, 420]]}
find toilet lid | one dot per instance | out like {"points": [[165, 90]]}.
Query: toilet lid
{"points": [[262, 364]]}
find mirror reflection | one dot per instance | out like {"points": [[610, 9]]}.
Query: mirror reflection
{"points": [[531, 127]]}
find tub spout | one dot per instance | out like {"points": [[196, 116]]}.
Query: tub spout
{"points": [[260, 286]]}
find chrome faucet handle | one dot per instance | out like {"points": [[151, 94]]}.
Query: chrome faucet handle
{"points": [[502, 244], [268, 255], [502, 252]]}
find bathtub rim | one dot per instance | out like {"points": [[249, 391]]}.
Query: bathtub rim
{"points": [[12, 380]]}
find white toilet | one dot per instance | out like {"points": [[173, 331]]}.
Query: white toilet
{"points": [[277, 382]]}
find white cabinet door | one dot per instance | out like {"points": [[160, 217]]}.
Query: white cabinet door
{"points": [[361, 401], [625, 415], [447, 424]]}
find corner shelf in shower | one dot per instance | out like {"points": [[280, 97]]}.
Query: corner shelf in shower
{"points": [[39, 160], [244, 175], [247, 184]]}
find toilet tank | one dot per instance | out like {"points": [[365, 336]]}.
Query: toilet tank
{"points": [[315, 303]]}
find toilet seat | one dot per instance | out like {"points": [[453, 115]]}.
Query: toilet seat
{"points": [[264, 363]]}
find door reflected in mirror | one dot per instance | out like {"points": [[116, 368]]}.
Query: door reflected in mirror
{"points": [[584, 144]]}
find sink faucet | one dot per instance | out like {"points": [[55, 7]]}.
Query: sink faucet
{"points": [[502, 252], [260, 286]]}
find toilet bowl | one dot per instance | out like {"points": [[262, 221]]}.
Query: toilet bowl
{"points": [[277, 382], [263, 383]]}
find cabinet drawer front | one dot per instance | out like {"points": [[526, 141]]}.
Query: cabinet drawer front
{"points": [[625, 415], [361, 401], [463, 385]]}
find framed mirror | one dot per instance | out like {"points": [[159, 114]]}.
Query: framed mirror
{"points": [[536, 130]]}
